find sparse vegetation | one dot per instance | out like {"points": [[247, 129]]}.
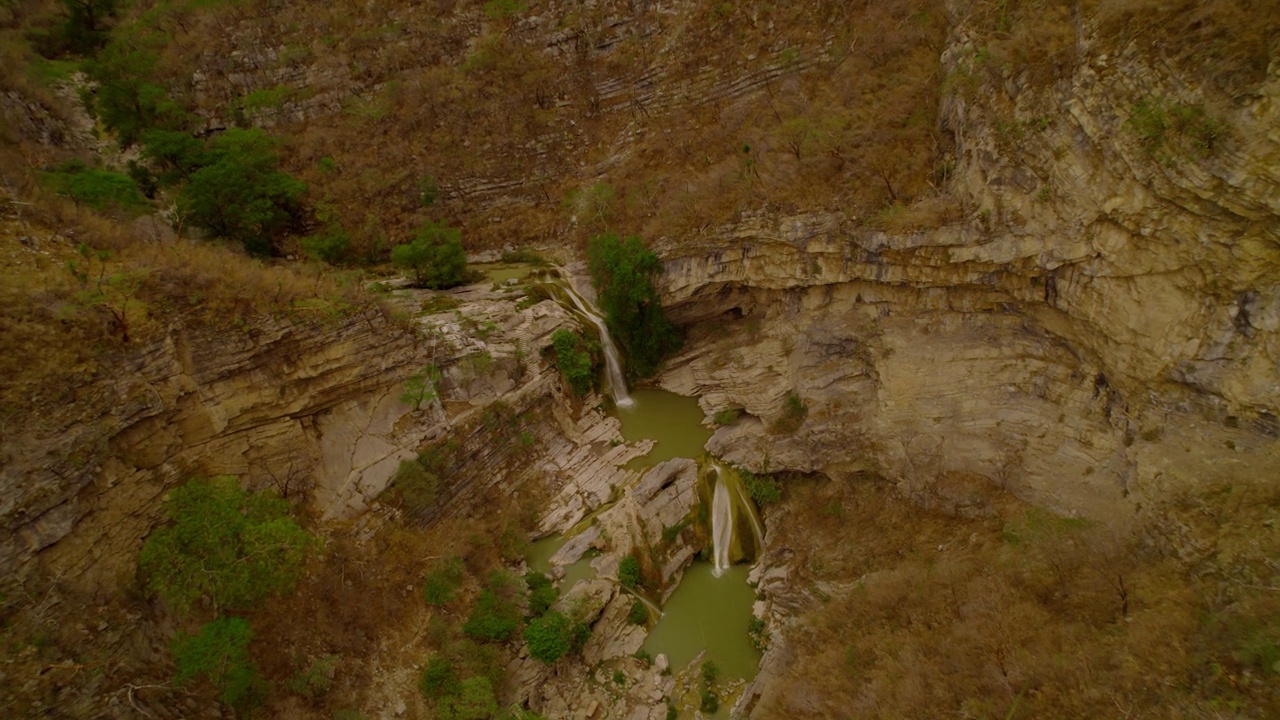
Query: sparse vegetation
{"points": [[728, 416], [794, 412], [421, 388]]}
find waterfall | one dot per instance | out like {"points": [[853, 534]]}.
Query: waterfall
{"points": [[721, 525], [612, 360]]}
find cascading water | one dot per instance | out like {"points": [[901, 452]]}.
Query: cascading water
{"points": [[612, 360], [721, 525]]}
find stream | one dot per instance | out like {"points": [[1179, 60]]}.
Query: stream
{"points": [[709, 612]]}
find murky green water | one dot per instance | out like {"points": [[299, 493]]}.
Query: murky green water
{"points": [[539, 558], [502, 272], [674, 421], [711, 613]]}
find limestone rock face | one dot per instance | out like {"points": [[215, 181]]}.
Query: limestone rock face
{"points": [[1094, 298], [313, 409]]}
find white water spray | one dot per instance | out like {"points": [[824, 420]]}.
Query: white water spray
{"points": [[721, 525], [612, 360]]}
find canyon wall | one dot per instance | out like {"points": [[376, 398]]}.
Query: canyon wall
{"points": [[1104, 321]]}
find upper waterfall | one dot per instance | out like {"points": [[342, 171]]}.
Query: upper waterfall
{"points": [[612, 359]]}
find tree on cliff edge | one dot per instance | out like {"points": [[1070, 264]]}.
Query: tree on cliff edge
{"points": [[622, 270]]}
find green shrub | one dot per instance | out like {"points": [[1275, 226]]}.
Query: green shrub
{"points": [[709, 702], [1161, 126], [639, 614], [474, 701], [220, 654], [330, 245], [418, 488], [496, 617], [313, 682], [619, 678], [764, 489], [542, 593], [671, 532], [622, 270], [439, 678], [524, 255], [573, 360], [728, 416], [629, 572], [441, 584], [435, 256], [231, 547], [710, 673], [794, 412], [420, 387], [758, 633], [550, 637]]}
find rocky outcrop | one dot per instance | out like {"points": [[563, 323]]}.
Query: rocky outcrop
{"points": [[311, 408], [1096, 296]]}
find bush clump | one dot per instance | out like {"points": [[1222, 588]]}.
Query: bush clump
{"points": [[232, 547], [573, 360], [441, 584], [435, 256], [622, 270], [496, 617], [220, 654], [629, 572]]}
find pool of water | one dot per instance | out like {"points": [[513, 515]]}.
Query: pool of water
{"points": [[501, 272], [674, 421], [708, 613], [539, 559]]}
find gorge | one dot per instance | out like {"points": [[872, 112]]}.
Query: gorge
{"points": [[976, 411]]}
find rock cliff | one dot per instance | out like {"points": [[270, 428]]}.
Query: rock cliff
{"points": [[1097, 301]]}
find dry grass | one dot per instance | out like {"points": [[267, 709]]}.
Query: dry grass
{"points": [[1024, 615], [76, 288]]}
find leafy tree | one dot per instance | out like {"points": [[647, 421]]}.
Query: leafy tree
{"points": [[496, 617], [435, 255], [639, 614], [629, 572], [550, 637], [223, 544], [573, 360], [86, 25], [439, 678], [174, 154], [622, 270], [474, 701], [418, 487], [442, 583], [128, 99], [542, 592], [242, 194], [710, 672], [220, 654], [99, 189]]}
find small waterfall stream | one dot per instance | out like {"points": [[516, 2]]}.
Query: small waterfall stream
{"points": [[612, 359], [721, 525]]}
